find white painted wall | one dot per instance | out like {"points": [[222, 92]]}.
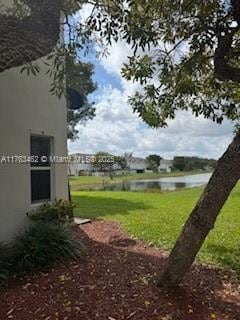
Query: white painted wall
{"points": [[136, 164], [74, 168], [165, 165], [79, 162], [27, 107]]}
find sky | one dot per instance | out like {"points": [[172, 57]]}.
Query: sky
{"points": [[116, 129]]}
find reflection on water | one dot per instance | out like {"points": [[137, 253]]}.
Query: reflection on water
{"points": [[170, 183]]}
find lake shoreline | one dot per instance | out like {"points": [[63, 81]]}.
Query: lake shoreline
{"points": [[80, 183]]}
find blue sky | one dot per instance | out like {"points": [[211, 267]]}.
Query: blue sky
{"points": [[117, 129], [101, 76]]}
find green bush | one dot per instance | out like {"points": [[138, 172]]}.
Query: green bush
{"points": [[60, 211], [43, 244], [4, 263]]}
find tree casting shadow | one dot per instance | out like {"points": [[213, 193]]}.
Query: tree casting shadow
{"points": [[101, 207]]}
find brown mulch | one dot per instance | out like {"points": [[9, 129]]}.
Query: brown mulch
{"points": [[116, 280]]}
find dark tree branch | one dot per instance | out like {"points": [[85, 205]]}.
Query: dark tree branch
{"points": [[32, 37], [236, 10], [223, 70]]}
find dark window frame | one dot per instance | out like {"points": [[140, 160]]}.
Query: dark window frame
{"points": [[41, 157], [38, 167]]}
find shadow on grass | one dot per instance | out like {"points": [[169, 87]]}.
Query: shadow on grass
{"points": [[97, 207], [226, 257]]}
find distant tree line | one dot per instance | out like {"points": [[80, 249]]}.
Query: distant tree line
{"points": [[193, 163], [106, 162]]}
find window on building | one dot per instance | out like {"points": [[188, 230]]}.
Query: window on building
{"points": [[40, 169], [40, 151]]}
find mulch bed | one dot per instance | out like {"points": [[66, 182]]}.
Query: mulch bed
{"points": [[116, 280]]}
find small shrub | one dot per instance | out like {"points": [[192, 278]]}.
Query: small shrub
{"points": [[60, 211], [4, 263], [44, 244]]}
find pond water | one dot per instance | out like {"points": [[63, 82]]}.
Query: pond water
{"points": [[164, 184]]}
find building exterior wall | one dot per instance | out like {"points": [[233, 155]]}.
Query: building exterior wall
{"points": [[75, 169], [27, 107], [165, 165], [136, 164], [79, 164]]}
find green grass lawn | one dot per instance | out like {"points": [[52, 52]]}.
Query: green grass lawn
{"points": [[85, 182], [159, 217]]}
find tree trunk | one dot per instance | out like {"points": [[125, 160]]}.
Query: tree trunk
{"points": [[203, 216]]}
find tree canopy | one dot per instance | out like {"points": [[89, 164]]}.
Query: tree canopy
{"points": [[29, 30], [79, 85], [103, 162], [185, 54], [153, 162], [193, 163]]}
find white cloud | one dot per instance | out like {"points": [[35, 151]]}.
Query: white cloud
{"points": [[117, 55], [116, 129]]}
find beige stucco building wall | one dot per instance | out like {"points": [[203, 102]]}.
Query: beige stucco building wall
{"points": [[27, 107]]}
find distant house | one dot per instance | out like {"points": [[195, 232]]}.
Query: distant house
{"points": [[137, 165], [33, 123], [165, 165], [80, 164]]}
